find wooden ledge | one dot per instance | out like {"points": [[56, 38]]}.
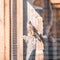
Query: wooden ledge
{"points": [[57, 6], [55, 1]]}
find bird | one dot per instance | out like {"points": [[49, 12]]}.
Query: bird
{"points": [[33, 32]]}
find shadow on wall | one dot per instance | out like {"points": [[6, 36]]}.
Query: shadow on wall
{"points": [[14, 31], [24, 28], [25, 17]]}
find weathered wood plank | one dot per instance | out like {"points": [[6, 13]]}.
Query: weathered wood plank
{"points": [[1, 29], [19, 29], [7, 30]]}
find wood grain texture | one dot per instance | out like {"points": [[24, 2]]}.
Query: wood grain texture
{"points": [[1, 29], [19, 29], [7, 30]]}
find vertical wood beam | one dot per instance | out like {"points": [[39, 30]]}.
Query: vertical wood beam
{"points": [[19, 29], [1, 29], [7, 29]]}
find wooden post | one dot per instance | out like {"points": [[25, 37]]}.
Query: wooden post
{"points": [[19, 29], [7, 29], [1, 29]]}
